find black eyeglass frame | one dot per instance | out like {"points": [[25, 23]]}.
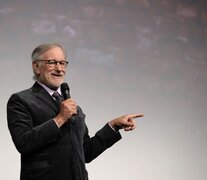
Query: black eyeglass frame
{"points": [[53, 63]]}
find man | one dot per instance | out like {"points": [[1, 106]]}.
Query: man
{"points": [[52, 146]]}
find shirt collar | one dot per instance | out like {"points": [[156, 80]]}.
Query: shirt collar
{"points": [[50, 91]]}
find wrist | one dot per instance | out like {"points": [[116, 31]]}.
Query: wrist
{"points": [[114, 126], [59, 121]]}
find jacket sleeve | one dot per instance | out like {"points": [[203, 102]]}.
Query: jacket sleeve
{"points": [[102, 140], [27, 138]]}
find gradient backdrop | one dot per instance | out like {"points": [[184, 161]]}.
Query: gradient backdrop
{"points": [[126, 56]]}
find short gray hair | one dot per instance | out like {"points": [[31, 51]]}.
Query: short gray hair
{"points": [[42, 48]]}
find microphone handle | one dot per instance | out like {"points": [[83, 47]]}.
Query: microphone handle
{"points": [[72, 119], [67, 96]]}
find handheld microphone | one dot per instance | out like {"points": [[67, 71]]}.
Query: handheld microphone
{"points": [[65, 90], [66, 95]]}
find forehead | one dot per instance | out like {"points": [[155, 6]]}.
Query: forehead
{"points": [[54, 53]]}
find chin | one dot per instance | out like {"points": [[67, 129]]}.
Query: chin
{"points": [[55, 86]]}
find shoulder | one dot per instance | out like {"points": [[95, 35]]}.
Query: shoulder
{"points": [[27, 92], [23, 94], [19, 97]]}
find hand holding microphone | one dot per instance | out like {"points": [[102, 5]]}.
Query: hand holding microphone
{"points": [[66, 95], [68, 108]]}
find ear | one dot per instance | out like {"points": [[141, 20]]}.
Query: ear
{"points": [[35, 67]]}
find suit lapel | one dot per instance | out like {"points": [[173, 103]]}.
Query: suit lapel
{"points": [[42, 94]]}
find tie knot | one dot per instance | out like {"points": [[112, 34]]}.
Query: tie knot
{"points": [[57, 97]]}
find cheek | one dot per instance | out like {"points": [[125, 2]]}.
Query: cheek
{"points": [[64, 71], [44, 72]]}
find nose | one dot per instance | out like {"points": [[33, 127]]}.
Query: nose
{"points": [[58, 67]]}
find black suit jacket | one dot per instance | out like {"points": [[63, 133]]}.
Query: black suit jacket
{"points": [[49, 152]]}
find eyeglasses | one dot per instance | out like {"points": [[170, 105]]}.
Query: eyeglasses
{"points": [[53, 63]]}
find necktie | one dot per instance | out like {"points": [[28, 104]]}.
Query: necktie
{"points": [[57, 97]]}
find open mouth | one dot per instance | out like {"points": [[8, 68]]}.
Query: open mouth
{"points": [[57, 75]]}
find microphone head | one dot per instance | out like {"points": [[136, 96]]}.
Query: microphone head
{"points": [[65, 90], [64, 87]]}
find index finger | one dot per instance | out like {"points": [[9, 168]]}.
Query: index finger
{"points": [[136, 115]]}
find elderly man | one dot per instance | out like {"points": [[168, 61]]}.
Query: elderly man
{"points": [[52, 137]]}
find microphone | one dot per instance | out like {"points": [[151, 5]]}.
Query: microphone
{"points": [[65, 90], [66, 95]]}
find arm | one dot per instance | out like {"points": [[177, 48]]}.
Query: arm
{"points": [[108, 135], [25, 136], [97, 144]]}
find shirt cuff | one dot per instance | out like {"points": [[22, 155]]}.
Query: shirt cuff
{"points": [[116, 129], [56, 123]]}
